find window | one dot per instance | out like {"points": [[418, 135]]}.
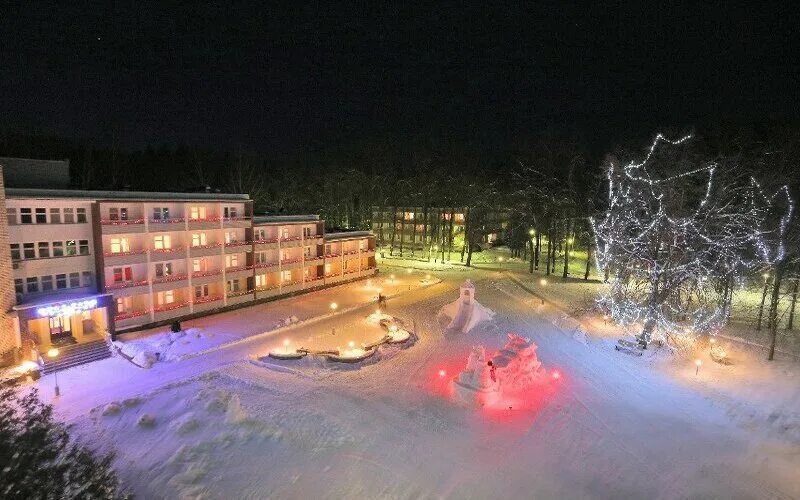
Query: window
{"points": [[69, 215], [199, 265], [162, 242], [72, 247], [56, 325], [87, 278], [83, 247], [307, 251], [200, 291], [230, 212], [122, 274], [328, 249], [165, 297], [261, 280], [120, 245], [231, 260], [284, 233], [19, 286], [25, 216], [281, 255], [409, 215], [41, 216], [286, 276], [11, 216], [58, 249], [123, 304], [233, 285], [361, 244], [230, 237], [123, 213], [113, 213], [15, 255], [28, 251], [44, 249], [32, 284], [61, 281], [47, 283], [260, 235], [306, 232], [261, 257], [199, 239], [197, 213], [163, 269], [81, 214], [460, 217], [160, 213], [327, 268], [74, 280], [55, 216]]}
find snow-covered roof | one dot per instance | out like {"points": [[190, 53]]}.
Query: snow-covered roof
{"points": [[347, 235], [278, 219], [120, 195]]}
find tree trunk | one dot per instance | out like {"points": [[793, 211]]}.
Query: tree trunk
{"points": [[413, 232], [530, 266], [450, 233], [402, 230], [566, 248], [394, 230], [425, 229], [538, 249], [468, 236], [549, 249], [763, 301], [773, 309], [588, 262], [790, 326]]}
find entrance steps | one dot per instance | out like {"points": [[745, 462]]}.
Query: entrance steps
{"points": [[76, 354]]}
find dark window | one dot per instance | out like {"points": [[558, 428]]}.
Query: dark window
{"points": [[27, 251], [69, 215], [25, 216], [47, 283], [83, 247], [19, 286], [81, 214], [11, 215], [55, 216], [32, 284], [87, 278], [15, 255], [123, 213], [61, 281], [113, 213], [44, 249], [41, 216], [74, 280], [58, 249]]}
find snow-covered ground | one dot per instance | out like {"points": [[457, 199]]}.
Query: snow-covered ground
{"points": [[612, 426]]}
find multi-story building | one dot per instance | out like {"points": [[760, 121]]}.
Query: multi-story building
{"points": [[89, 263], [415, 228]]}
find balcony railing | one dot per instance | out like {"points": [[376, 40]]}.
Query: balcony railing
{"points": [[126, 284], [206, 300], [314, 257], [267, 288], [267, 240], [171, 220], [131, 314], [238, 293], [205, 219], [291, 283], [208, 245], [238, 243], [119, 222], [352, 271], [263, 265], [235, 219], [123, 254], [167, 250], [332, 255], [310, 279], [200, 274], [292, 238], [286, 262], [351, 252], [237, 268], [170, 307], [169, 279]]}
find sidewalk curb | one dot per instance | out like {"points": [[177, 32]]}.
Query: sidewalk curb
{"points": [[309, 321]]}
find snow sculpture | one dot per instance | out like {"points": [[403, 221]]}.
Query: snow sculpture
{"points": [[517, 364], [477, 385], [465, 312]]}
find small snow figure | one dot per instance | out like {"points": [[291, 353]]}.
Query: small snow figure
{"points": [[492, 371]]}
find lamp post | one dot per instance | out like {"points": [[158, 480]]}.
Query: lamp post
{"points": [[53, 354], [500, 260], [334, 306]]}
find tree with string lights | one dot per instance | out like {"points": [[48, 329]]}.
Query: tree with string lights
{"points": [[675, 226]]}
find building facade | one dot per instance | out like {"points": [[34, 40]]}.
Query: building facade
{"points": [[83, 264]]}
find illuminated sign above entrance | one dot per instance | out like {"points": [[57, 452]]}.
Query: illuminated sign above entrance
{"points": [[67, 309]]}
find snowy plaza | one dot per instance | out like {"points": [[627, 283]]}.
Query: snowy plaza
{"points": [[227, 421]]}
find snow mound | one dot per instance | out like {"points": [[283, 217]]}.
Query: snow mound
{"points": [[376, 317], [146, 421], [235, 414], [186, 424], [145, 359], [111, 409]]}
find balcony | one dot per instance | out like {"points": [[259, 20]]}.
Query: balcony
{"points": [[205, 250], [294, 241], [240, 296], [206, 223], [266, 244], [207, 303], [238, 272], [109, 226], [129, 257], [291, 263], [169, 311], [128, 288], [236, 222], [159, 254], [268, 291], [238, 246], [267, 265], [132, 318], [332, 255], [169, 282], [171, 224], [204, 277], [291, 286], [312, 281]]}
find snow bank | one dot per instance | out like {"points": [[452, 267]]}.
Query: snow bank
{"points": [[464, 317]]}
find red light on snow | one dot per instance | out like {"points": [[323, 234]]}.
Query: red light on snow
{"points": [[442, 373], [556, 375]]}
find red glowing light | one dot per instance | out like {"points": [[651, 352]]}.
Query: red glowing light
{"points": [[556, 375], [442, 373]]}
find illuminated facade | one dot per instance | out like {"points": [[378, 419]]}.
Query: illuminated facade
{"points": [[87, 263]]}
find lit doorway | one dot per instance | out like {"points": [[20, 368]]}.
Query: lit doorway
{"points": [[60, 329]]}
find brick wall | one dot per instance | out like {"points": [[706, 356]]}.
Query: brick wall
{"points": [[8, 335]]}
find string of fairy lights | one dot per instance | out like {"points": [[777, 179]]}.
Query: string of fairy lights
{"points": [[669, 252]]}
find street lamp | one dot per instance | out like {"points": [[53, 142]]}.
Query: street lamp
{"points": [[53, 354], [532, 232], [543, 282], [500, 260], [334, 306]]}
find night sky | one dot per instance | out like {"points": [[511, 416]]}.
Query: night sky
{"points": [[291, 78]]}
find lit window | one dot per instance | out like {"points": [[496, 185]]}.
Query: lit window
{"points": [[122, 274], [230, 237], [284, 233], [165, 297], [163, 269], [113, 213], [162, 242], [231, 260], [200, 291], [306, 232], [361, 244], [199, 265], [198, 239], [327, 268], [307, 251], [120, 245], [261, 280], [286, 276], [409, 215], [123, 304], [233, 285], [261, 257], [197, 213]]}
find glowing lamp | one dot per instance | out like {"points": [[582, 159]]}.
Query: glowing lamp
{"points": [[531, 232], [52, 353], [286, 342], [713, 341], [571, 241], [499, 259], [698, 362], [377, 311], [765, 275], [427, 276], [543, 282], [334, 306], [409, 271], [351, 344], [442, 373], [391, 276], [556, 375]]}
